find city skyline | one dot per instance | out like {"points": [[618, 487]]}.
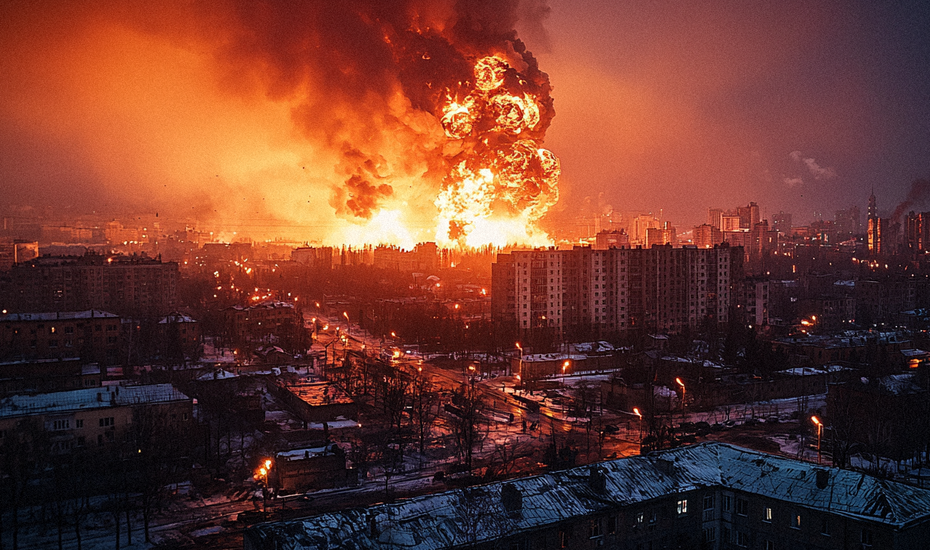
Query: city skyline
{"points": [[801, 108]]}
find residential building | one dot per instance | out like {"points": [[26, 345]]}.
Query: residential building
{"points": [[94, 417], [713, 495], [611, 291], [90, 336], [124, 285]]}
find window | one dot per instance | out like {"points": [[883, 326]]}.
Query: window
{"points": [[61, 424], [709, 502], [81, 441], [639, 521], [563, 538], [742, 539], [708, 508], [725, 534], [612, 525], [769, 545], [79, 423], [594, 528], [866, 537], [726, 503], [710, 535], [768, 515], [796, 521], [742, 507], [825, 527], [107, 422], [682, 507]]}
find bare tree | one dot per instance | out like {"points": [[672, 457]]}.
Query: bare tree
{"points": [[467, 422], [425, 408]]}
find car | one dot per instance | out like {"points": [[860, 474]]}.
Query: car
{"points": [[611, 429]]}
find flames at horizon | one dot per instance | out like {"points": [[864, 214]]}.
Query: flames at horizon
{"points": [[356, 122]]}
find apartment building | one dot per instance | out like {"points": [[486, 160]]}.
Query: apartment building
{"points": [[124, 285], [93, 417], [711, 496], [611, 291], [89, 336]]}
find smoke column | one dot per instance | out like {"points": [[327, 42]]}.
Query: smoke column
{"points": [[329, 116]]}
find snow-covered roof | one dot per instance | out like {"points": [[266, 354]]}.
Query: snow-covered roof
{"points": [[592, 347], [544, 357], [308, 452], [87, 399], [811, 371], [438, 521], [177, 318], [58, 316], [217, 375]]}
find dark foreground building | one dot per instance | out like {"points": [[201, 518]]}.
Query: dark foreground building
{"points": [[708, 496]]}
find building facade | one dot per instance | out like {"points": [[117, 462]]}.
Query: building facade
{"points": [[711, 496], [90, 336], [612, 291], [124, 285]]}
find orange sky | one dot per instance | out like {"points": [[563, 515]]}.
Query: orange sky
{"points": [[230, 112]]}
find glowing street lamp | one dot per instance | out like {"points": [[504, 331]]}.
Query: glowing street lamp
{"points": [[520, 365], [640, 415], [682, 384], [819, 425], [565, 366], [346, 315], [262, 474]]}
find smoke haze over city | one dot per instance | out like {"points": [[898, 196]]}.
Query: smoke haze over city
{"points": [[322, 121]]}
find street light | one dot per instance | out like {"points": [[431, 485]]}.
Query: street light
{"points": [[346, 315], [565, 366], [262, 474], [640, 415], [520, 366], [682, 384], [819, 424]]}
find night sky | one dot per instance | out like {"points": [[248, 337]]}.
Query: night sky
{"points": [[225, 111]]}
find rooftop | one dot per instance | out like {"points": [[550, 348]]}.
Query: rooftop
{"points": [[58, 316], [436, 521], [87, 399], [320, 394]]}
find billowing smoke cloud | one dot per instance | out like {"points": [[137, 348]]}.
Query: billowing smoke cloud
{"points": [[918, 195], [819, 172], [330, 110]]}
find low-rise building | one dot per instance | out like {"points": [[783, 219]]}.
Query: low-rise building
{"points": [[94, 417], [91, 336], [713, 495]]}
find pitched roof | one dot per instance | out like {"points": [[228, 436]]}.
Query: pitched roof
{"points": [[436, 521], [86, 399]]}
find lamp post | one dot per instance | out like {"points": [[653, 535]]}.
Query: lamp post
{"points": [[565, 366], [262, 474], [520, 366], [682, 384], [640, 415], [819, 425], [346, 315]]}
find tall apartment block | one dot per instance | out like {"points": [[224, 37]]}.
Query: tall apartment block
{"points": [[600, 292], [124, 285]]}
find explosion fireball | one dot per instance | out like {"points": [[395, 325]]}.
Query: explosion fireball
{"points": [[506, 182]]}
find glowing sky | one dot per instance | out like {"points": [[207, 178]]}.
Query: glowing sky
{"points": [[800, 106]]}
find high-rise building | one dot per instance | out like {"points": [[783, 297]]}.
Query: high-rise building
{"points": [[706, 236], [781, 222], [876, 228], [847, 221], [611, 291], [124, 285], [749, 215]]}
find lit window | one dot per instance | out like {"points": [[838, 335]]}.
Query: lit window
{"points": [[682, 507]]}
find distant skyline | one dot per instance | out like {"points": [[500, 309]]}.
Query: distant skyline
{"points": [[202, 110], [799, 106]]}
